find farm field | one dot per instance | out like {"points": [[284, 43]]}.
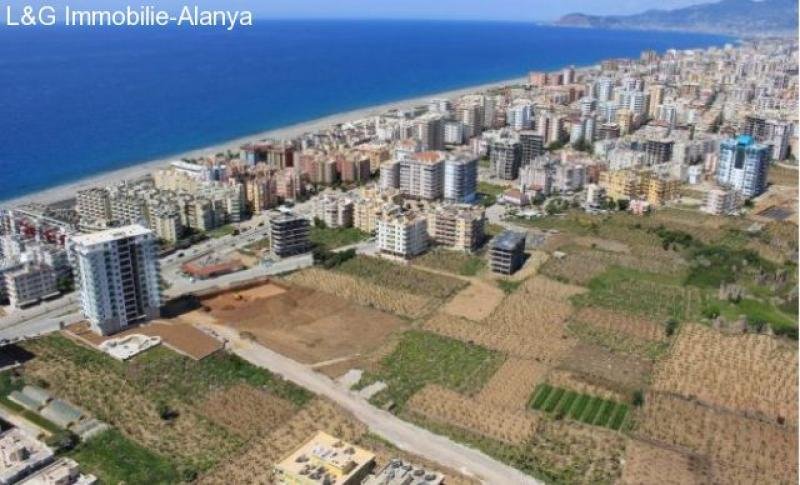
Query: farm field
{"points": [[226, 420], [475, 302], [364, 292], [647, 463], [741, 449], [646, 294], [744, 373], [152, 403], [307, 325], [577, 406], [400, 277], [454, 262], [529, 322], [423, 357]]}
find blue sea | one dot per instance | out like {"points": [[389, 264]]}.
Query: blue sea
{"points": [[77, 102]]}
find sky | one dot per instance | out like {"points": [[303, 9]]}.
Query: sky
{"points": [[519, 10]]}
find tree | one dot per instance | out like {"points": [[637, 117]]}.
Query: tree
{"points": [[671, 327], [166, 412], [63, 440], [556, 145], [638, 398], [319, 223], [623, 204], [582, 146]]}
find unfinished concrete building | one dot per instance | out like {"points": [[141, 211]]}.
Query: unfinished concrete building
{"points": [[507, 252], [289, 235]]}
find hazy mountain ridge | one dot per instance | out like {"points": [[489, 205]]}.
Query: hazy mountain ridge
{"points": [[737, 17]]}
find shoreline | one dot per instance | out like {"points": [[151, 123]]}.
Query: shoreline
{"points": [[66, 191]]}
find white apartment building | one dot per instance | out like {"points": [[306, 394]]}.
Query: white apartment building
{"points": [[453, 133], [519, 116], [461, 178], [29, 284], [402, 235], [335, 210], [117, 272], [422, 175]]}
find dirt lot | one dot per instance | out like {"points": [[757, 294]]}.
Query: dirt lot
{"points": [[307, 325], [182, 338], [475, 302]]}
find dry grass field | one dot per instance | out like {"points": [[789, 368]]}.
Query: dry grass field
{"points": [[741, 449], [445, 406], [578, 453], [246, 411], [617, 372], [583, 384], [190, 439], [307, 325], [255, 464], [745, 373], [632, 325], [511, 386], [646, 463], [363, 292]]}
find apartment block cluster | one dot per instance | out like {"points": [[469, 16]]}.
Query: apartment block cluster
{"points": [[626, 129], [34, 265], [174, 200]]}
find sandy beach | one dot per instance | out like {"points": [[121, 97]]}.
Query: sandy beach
{"points": [[67, 191]]}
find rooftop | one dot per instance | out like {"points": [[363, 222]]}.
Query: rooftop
{"points": [[508, 240], [324, 457], [110, 235]]}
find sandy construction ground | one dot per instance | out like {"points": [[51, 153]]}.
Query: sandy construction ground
{"points": [[304, 324]]}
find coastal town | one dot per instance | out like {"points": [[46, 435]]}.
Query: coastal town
{"points": [[586, 276]]}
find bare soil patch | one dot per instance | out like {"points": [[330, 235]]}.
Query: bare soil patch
{"points": [[475, 302], [304, 324]]}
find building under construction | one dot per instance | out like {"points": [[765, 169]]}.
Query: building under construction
{"points": [[507, 252]]}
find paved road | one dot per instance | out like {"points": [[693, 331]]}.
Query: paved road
{"points": [[181, 285], [404, 435]]}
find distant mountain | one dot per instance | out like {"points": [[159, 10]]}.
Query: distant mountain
{"points": [[736, 17]]}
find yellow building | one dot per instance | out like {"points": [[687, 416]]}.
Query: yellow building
{"points": [[325, 459], [459, 227], [658, 190], [619, 184], [644, 185]]}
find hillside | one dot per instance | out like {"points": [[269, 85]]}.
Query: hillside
{"points": [[735, 17]]}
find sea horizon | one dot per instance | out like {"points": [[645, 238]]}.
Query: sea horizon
{"points": [[95, 119]]}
